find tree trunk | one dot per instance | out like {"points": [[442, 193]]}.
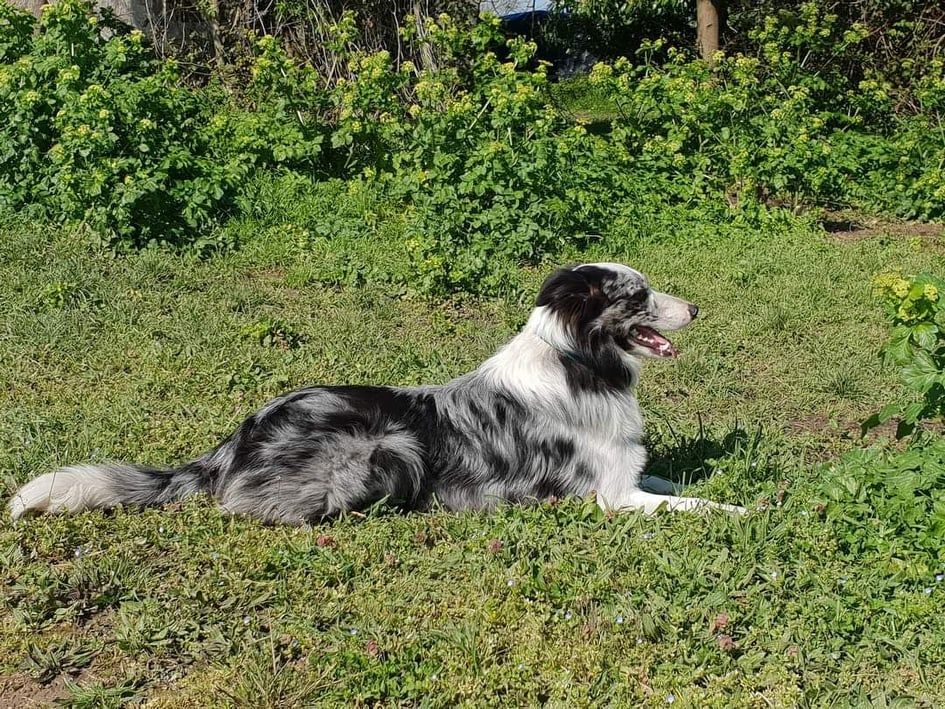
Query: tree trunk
{"points": [[708, 17], [218, 48], [426, 51]]}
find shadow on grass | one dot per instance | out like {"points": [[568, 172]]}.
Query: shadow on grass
{"points": [[689, 459], [839, 226]]}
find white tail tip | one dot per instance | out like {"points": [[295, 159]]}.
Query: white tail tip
{"points": [[71, 489]]}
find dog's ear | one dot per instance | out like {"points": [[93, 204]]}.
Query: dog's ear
{"points": [[576, 296]]}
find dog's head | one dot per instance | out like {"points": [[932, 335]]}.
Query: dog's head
{"points": [[606, 315]]}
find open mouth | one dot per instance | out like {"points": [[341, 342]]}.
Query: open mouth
{"points": [[653, 342]]}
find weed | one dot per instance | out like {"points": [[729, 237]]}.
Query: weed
{"points": [[274, 333], [44, 663]]}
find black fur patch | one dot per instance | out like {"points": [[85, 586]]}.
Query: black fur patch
{"points": [[575, 297]]}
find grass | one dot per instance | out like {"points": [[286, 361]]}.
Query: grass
{"points": [[154, 357]]}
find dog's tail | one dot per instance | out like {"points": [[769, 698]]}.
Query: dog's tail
{"points": [[83, 487]]}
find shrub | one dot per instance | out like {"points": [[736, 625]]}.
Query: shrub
{"points": [[916, 307], [486, 170], [99, 132], [758, 129], [732, 129], [843, 43], [614, 28], [880, 503], [494, 174], [278, 117], [836, 45]]}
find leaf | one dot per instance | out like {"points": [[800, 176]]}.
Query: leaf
{"points": [[913, 411], [921, 373], [925, 335], [899, 351]]}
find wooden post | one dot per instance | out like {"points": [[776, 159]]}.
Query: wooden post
{"points": [[707, 28]]}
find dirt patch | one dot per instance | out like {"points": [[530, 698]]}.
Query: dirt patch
{"points": [[819, 425], [272, 274], [850, 229], [19, 690], [832, 432], [815, 423]]}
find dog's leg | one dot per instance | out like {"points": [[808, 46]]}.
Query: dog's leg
{"points": [[648, 503], [660, 486]]}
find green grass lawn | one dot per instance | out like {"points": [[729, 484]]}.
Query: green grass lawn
{"points": [[154, 357]]}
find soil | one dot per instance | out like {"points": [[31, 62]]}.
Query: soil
{"points": [[18, 691], [844, 228]]}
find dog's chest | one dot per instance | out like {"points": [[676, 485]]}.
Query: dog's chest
{"points": [[614, 419]]}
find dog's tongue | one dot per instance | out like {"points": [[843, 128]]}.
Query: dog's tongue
{"points": [[654, 342]]}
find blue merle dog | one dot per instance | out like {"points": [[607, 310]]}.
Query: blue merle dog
{"points": [[552, 413]]}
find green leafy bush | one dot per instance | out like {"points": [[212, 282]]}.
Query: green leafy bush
{"points": [[495, 175], [277, 118], [835, 45], [15, 30], [889, 507], [916, 307], [99, 132], [842, 43], [487, 170], [613, 28], [883, 502], [730, 129], [756, 129]]}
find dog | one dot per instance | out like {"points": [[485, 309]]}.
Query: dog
{"points": [[551, 414]]}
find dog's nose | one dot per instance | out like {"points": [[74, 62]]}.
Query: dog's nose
{"points": [[693, 311]]}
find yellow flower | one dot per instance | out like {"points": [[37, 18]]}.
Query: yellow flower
{"points": [[600, 72], [930, 292], [901, 287]]}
